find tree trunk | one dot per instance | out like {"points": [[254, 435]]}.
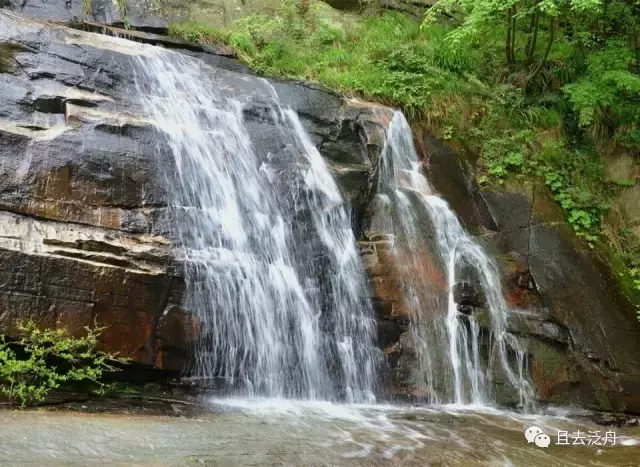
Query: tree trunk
{"points": [[513, 36], [533, 39], [543, 60], [508, 42]]}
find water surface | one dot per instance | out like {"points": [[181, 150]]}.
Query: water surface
{"points": [[278, 432]]}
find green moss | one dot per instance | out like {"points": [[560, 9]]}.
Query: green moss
{"points": [[7, 52], [483, 318], [87, 7], [627, 280]]}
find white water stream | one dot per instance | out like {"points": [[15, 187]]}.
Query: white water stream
{"points": [[271, 262], [272, 266], [447, 341]]}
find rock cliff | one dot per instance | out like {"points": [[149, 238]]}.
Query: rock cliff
{"points": [[83, 217]]}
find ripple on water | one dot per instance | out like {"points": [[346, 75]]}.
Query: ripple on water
{"points": [[285, 432]]}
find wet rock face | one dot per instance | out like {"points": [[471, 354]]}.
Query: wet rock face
{"points": [[467, 294], [583, 335], [84, 222], [580, 332], [144, 15], [453, 179]]}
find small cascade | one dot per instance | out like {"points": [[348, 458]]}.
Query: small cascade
{"points": [[456, 364], [271, 263]]}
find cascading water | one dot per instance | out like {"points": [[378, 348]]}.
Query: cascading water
{"points": [[447, 342], [271, 263]]}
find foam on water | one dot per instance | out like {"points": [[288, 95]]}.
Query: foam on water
{"points": [[386, 430]]}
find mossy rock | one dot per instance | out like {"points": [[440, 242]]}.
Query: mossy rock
{"points": [[7, 52]]}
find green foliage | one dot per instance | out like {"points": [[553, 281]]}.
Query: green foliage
{"points": [[635, 275], [87, 7], [242, 43], [123, 8], [200, 33], [41, 361], [608, 93], [386, 58], [569, 175]]}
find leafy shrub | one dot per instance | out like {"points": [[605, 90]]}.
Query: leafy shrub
{"points": [[608, 92], [41, 361], [202, 33], [242, 43]]}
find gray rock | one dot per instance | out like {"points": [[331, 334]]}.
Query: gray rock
{"points": [[138, 14], [581, 312], [452, 178]]}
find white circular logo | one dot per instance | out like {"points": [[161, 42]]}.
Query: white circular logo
{"points": [[542, 440], [531, 433]]}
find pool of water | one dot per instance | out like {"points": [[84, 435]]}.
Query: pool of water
{"points": [[272, 432]]}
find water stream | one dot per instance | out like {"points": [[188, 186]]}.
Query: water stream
{"points": [[285, 432], [447, 341], [271, 263]]}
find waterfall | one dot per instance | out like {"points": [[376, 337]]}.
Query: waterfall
{"points": [[271, 264], [270, 260], [447, 342]]}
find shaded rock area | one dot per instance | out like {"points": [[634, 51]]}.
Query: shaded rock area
{"points": [[84, 223], [452, 178], [581, 333]]}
